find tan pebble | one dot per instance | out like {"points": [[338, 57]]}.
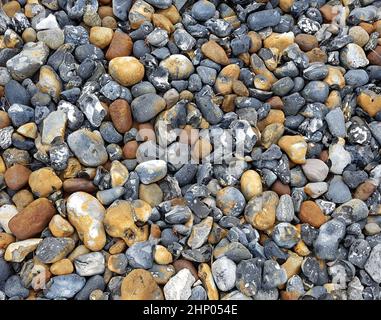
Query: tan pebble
{"points": [[274, 116], [119, 222], [61, 267], [334, 100], [44, 182], [60, 227], [118, 247], [139, 284], [255, 43], [370, 102], [359, 35], [105, 11], [365, 190], [49, 82], [215, 52], [5, 240], [141, 211], [29, 35], [205, 275], [72, 169], [317, 55], [100, 36], [279, 41], [28, 130], [261, 210], [119, 174], [11, 7], [151, 193], [171, 13], [17, 251], [335, 78], [292, 264], [251, 184], [126, 70], [109, 22], [22, 199], [271, 134], [78, 251], [240, 89], [161, 21], [301, 249], [162, 255], [295, 147]]}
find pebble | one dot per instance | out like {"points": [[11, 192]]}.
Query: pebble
{"points": [[86, 214], [44, 181], [179, 286], [126, 70], [30, 221], [295, 147], [18, 251], [338, 191], [51, 250], [311, 213], [224, 273], [139, 284], [65, 286], [151, 171], [231, 201], [139, 105], [90, 264], [88, 147], [372, 265]]}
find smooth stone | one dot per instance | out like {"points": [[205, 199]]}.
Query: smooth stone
{"points": [[65, 286], [338, 191], [336, 123], [90, 264], [179, 286], [373, 264], [88, 146], [151, 171], [224, 273], [315, 170]]}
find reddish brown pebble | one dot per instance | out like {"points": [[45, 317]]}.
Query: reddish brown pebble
{"points": [[32, 220], [374, 56], [120, 113], [311, 213], [17, 176], [78, 184], [276, 103], [306, 42], [120, 46], [129, 149], [280, 188]]}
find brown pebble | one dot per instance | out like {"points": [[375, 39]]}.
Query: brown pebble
{"points": [[4, 120], [182, 263], [78, 184], [105, 11], [256, 41], [328, 12], [374, 56], [364, 190], [120, 113], [32, 220], [17, 176], [311, 213], [129, 149], [280, 188], [276, 103], [146, 132], [368, 27], [109, 22], [317, 55], [120, 46], [306, 42]]}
